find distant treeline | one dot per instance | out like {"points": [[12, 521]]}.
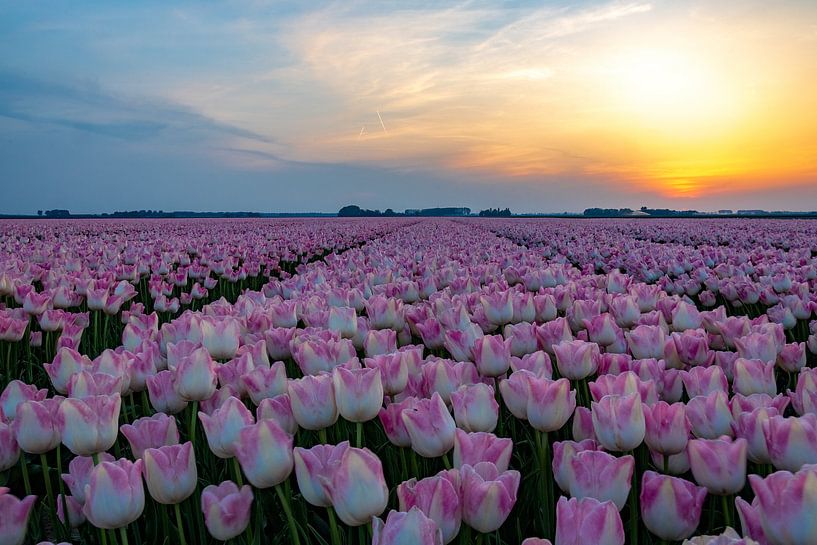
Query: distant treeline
{"points": [[161, 214], [669, 213], [354, 211]]}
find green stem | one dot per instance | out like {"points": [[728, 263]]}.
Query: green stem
{"points": [[51, 506], [124, 533], [24, 467], [237, 471], [333, 526], [179, 525], [191, 430], [446, 461], [293, 530], [322, 436], [727, 512], [62, 487], [359, 434]]}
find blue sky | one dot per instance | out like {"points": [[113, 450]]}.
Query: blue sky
{"points": [[282, 106]]}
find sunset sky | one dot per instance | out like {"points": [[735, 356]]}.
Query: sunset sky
{"points": [[307, 106]]}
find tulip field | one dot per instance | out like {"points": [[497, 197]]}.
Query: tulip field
{"points": [[419, 381]]}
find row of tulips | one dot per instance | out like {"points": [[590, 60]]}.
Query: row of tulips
{"points": [[416, 374]]}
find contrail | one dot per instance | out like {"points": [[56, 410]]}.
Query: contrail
{"points": [[381, 122], [362, 130]]}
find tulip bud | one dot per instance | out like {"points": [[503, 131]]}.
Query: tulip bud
{"points": [[587, 520], [430, 426], [313, 401], [315, 465], [406, 527], [224, 426], [438, 497], [150, 432], [488, 495], [226, 509], [89, 426], [114, 495], [718, 464], [670, 507], [170, 472], [358, 393], [14, 522], [265, 453], [619, 422], [550, 403], [357, 487]]}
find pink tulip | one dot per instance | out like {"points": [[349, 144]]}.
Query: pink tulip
{"points": [[550, 404], [430, 427], [576, 359], [537, 362], [670, 507], [750, 426], [196, 378], [150, 432], [9, 449], [15, 393], [79, 474], [488, 495], [583, 424], [313, 467], [792, 442], [170, 472], [394, 372], [718, 464], [66, 363], [75, 516], [758, 346], [358, 393], [14, 522], [701, 381], [220, 337], [602, 329], [279, 410], [624, 383], [406, 527], [709, 416], [492, 355], [750, 522], [444, 376], [114, 495], [754, 377], [792, 358], [646, 342], [587, 520], [265, 382], [475, 407], [391, 418], [438, 497], [498, 307], [224, 426], [472, 448], [264, 451], [619, 422], [599, 475], [226, 509], [667, 427], [162, 393], [89, 426], [515, 392], [313, 401], [379, 342], [36, 425], [786, 504], [357, 487]]}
